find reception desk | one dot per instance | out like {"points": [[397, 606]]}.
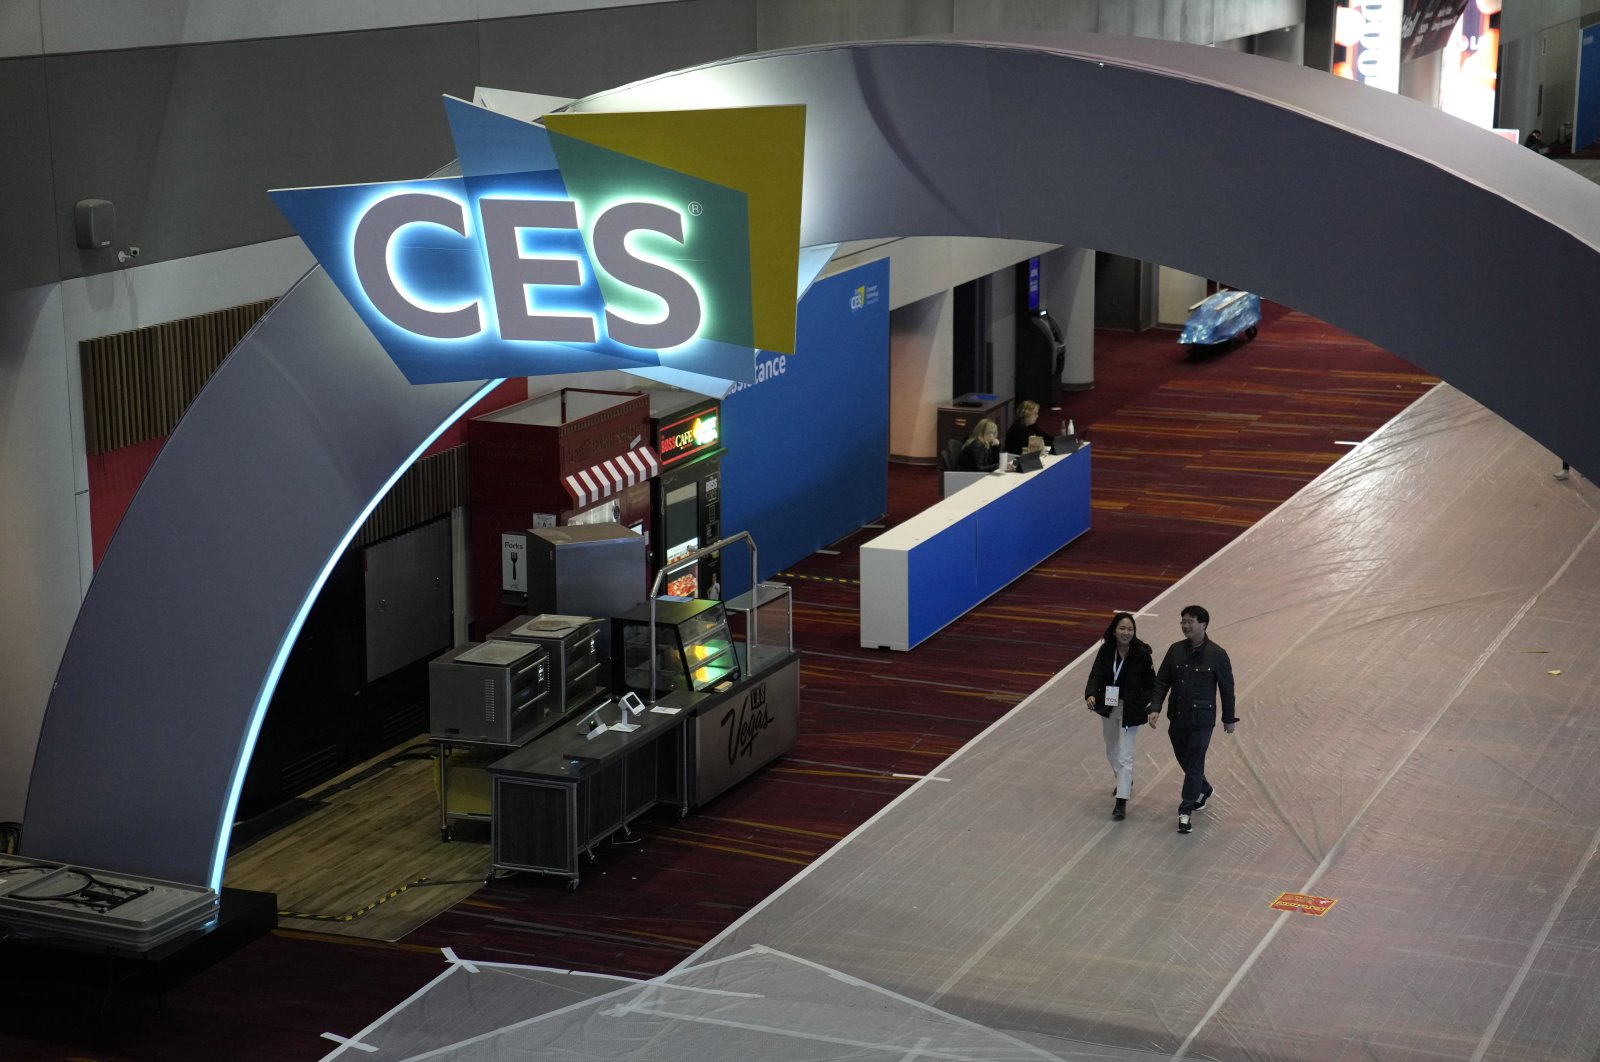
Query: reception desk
{"points": [[917, 577]]}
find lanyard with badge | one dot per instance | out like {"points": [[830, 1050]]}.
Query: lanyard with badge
{"points": [[1113, 691]]}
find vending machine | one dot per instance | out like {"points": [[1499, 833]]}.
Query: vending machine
{"points": [[686, 498]]}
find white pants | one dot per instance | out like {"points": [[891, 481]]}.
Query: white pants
{"points": [[1119, 750]]}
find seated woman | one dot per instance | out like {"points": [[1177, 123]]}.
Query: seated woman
{"points": [[1026, 425], [982, 451]]}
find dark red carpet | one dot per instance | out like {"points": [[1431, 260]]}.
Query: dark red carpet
{"points": [[1190, 449]]}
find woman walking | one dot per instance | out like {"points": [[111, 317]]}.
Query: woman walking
{"points": [[1119, 692]]}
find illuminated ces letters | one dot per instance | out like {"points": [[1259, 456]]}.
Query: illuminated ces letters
{"points": [[582, 242], [515, 276]]}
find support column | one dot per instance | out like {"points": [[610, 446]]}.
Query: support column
{"points": [[920, 361], [1067, 276], [1176, 291]]}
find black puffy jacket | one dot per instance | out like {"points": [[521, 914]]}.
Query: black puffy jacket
{"points": [[1133, 685]]}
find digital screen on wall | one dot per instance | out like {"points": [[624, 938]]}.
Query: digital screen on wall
{"points": [[1366, 42], [682, 531], [685, 582], [1468, 76], [1428, 24]]}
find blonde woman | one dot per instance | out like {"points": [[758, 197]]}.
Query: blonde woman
{"points": [[1025, 426], [982, 451]]}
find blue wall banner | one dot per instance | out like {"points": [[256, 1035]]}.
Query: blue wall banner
{"points": [[808, 441], [1586, 122]]}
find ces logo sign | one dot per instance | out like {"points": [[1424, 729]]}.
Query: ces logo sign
{"points": [[515, 272], [589, 241]]}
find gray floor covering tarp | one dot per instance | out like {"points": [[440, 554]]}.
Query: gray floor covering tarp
{"points": [[1413, 638]]}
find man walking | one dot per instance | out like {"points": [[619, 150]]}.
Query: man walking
{"points": [[1195, 670]]}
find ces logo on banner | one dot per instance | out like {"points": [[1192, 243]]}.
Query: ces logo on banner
{"points": [[588, 241]]}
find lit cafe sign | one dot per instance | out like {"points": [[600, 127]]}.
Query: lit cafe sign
{"points": [[684, 438], [589, 241]]}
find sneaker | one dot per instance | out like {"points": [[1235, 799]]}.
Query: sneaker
{"points": [[1119, 811], [1563, 474], [1183, 824], [1198, 804]]}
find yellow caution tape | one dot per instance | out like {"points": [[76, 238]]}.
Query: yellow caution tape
{"points": [[354, 914]]}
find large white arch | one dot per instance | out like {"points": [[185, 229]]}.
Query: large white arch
{"points": [[1466, 254]]}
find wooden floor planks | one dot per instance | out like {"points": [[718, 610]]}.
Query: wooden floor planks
{"points": [[370, 861]]}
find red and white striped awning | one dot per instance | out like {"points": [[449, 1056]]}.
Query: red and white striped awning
{"points": [[612, 475]]}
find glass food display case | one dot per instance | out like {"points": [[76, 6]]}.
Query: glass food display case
{"points": [[694, 650]]}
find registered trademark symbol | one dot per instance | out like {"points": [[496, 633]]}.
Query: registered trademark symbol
{"points": [[695, 210]]}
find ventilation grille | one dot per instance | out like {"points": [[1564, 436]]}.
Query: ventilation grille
{"points": [[301, 775], [137, 384], [428, 490], [488, 700], [405, 722]]}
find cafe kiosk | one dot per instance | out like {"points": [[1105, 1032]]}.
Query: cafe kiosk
{"points": [[687, 711]]}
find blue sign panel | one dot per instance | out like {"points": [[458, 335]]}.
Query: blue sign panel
{"points": [[808, 440]]}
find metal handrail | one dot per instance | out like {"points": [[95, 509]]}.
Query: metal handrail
{"points": [[683, 562]]}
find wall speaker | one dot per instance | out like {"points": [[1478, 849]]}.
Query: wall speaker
{"points": [[95, 222]]}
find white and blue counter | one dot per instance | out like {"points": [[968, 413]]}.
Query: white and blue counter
{"points": [[919, 576]]}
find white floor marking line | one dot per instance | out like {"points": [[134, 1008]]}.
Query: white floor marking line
{"points": [[342, 1042], [737, 923], [1023, 910], [1533, 951], [450, 956], [907, 1000], [391, 1012], [1429, 395], [1055, 879], [1400, 761], [797, 1034], [632, 986]]}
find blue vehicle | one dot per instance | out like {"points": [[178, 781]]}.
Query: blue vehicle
{"points": [[1222, 318]]}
